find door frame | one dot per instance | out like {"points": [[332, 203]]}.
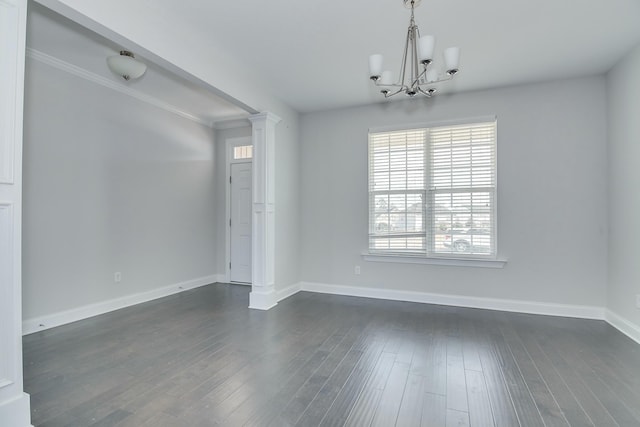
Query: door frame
{"points": [[230, 143]]}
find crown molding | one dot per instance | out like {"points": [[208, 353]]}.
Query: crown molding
{"points": [[232, 123], [110, 84]]}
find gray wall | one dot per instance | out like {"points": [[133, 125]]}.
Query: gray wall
{"points": [[146, 33], [551, 186], [287, 207], [623, 84], [110, 184]]}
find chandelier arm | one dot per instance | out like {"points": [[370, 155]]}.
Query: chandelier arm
{"points": [[378, 84], [417, 59], [426, 93], [421, 79], [440, 80], [415, 74], [447, 78], [389, 95], [405, 56], [403, 67]]}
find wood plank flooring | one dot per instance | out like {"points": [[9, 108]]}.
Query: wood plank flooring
{"points": [[202, 358]]}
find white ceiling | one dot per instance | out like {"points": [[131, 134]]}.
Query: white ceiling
{"points": [[65, 40], [314, 54]]}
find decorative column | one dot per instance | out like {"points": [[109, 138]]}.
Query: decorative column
{"points": [[14, 403], [263, 296]]}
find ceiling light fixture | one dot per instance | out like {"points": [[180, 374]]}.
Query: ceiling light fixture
{"points": [[415, 74], [126, 65]]}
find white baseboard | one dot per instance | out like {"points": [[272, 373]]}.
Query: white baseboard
{"points": [[514, 306], [623, 325], [266, 301], [16, 412], [30, 326], [518, 306], [261, 300], [288, 291]]}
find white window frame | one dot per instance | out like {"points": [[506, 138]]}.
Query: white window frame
{"points": [[242, 157], [430, 256]]}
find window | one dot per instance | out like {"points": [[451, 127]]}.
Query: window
{"points": [[242, 152], [432, 191]]}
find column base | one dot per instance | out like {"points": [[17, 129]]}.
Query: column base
{"points": [[262, 300], [16, 412]]}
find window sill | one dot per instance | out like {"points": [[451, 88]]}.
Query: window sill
{"points": [[455, 262]]}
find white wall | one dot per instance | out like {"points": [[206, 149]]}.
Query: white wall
{"points": [[551, 186], [623, 85], [110, 184]]}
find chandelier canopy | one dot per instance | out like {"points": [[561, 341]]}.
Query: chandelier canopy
{"points": [[417, 74]]}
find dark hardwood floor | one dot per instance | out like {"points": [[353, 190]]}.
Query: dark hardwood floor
{"points": [[202, 358]]}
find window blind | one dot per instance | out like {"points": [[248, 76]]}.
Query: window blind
{"points": [[397, 191], [432, 191]]}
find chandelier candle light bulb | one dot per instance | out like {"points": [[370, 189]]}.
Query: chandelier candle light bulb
{"points": [[387, 78], [426, 45], [432, 75], [375, 66], [416, 72], [451, 59]]}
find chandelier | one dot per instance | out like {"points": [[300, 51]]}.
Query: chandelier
{"points": [[416, 74]]}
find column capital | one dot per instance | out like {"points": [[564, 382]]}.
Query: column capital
{"points": [[264, 117]]}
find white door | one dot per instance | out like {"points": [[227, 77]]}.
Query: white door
{"points": [[240, 222]]}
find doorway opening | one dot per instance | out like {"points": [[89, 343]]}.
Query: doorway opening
{"points": [[239, 210]]}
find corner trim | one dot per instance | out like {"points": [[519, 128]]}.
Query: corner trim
{"points": [[623, 325], [42, 323], [517, 306]]}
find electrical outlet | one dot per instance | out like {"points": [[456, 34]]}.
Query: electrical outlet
{"points": [[638, 301], [357, 270], [117, 277]]}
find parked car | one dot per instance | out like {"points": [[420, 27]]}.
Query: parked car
{"points": [[470, 240]]}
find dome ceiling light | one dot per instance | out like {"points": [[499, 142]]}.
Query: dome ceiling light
{"points": [[126, 65]]}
